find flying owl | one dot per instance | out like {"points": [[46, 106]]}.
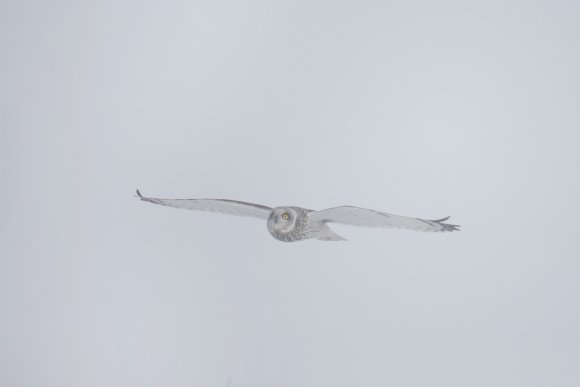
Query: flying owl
{"points": [[292, 224]]}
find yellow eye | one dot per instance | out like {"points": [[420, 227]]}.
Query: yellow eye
{"points": [[285, 216]]}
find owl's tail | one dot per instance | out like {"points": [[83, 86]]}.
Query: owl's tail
{"points": [[328, 235]]}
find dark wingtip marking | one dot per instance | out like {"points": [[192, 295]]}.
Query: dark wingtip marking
{"points": [[139, 194], [447, 226]]}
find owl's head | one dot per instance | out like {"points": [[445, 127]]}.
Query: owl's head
{"points": [[282, 220]]}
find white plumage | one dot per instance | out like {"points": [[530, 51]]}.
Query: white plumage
{"points": [[290, 224]]}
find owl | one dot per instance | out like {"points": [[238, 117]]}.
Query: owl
{"points": [[292, 224]]}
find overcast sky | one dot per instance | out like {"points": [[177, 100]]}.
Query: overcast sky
{"points": [[419, 108]]}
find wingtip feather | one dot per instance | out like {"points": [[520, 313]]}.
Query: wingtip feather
{"points": [[447, 226], [138, 194]]}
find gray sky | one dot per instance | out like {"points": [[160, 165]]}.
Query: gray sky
{"points": [[418, 108]]}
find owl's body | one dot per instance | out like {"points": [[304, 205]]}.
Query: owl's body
{"points": [[297, 227], [291, 223]]}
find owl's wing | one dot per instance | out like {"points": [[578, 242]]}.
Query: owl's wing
{"points": [[225, 206], [363, 217]]}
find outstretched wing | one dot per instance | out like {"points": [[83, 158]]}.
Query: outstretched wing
{"points": [[225, 206], [363, 217]]}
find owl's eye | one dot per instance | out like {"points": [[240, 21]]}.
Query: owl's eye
{"points": [[285, 216]]}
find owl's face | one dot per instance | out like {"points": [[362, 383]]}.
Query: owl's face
{"points": [[282, 220]]}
